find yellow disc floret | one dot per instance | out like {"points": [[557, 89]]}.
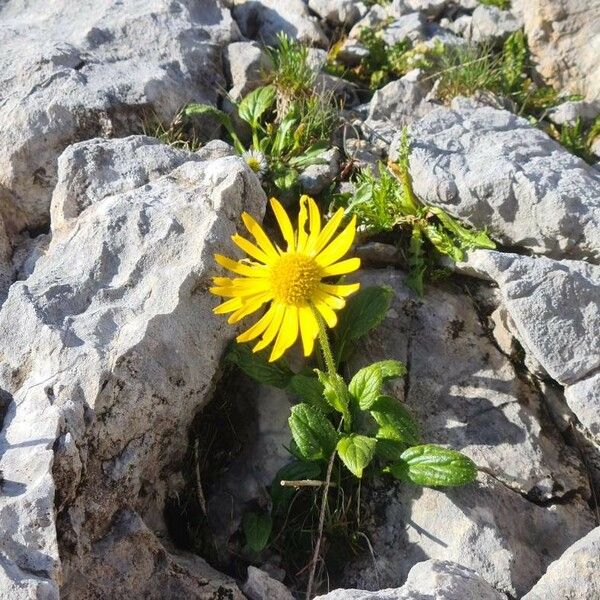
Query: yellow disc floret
{"points": [[294, 279]]}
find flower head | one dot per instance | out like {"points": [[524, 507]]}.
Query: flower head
{"points": [[256, 160], [290, 280]]}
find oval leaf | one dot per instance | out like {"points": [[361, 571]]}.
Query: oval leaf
{"points": [[365, 386], [257, 529], [256, 103], [434, 466], [257, 367], [394, 420], [356, 452], [310, 390], [313, 433]]}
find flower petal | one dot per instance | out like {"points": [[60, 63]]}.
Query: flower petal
{"points": [[288, 333], [241, 287], [272, 329], [228, 306], [334, 302], [250, 249], [258, 327], [309, 328], [339, 246], [259, 235], [327, 313], [241, 268], [302, 218], [340, 290], [341, 268], [250, 305], [284, 223], [328, 231], [314, 224]]}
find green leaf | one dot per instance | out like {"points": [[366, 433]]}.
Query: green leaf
{"points": [[311, 156], [433, 466], [391, 369], [310, 390], [257, 529], [389, 450], [365, 386], [468, 238], [285, 179], [443, 242], [257, 367], [334, 391], [297, 470], [313, 433], [284, 137], [356, 452], [364, 311], [395, 422], [256, 103], [416, 261], [195, 110]]}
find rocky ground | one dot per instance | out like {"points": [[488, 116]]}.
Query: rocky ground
{"points": [[110, 352]]}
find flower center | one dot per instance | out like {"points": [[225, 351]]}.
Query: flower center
{"points": [[254, 163], [294, 278]]}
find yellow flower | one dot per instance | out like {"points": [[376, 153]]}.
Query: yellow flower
{"points": [[291, 280]]}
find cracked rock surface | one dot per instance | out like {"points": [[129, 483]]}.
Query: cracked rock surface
{"points": [[492, 169], [108, 350], [528, 504]]}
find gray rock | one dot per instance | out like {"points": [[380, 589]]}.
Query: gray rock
{"points": [[262, 20], [412, 26], [90, 171], [130, 562], [245, 66], [261, 586], [583, 399], [490, 25], [466, 394], [399, 103], [68, 75], [461, 26], [338, 12], [563, 37], [352, 52], [493, 170], [109, 350], [574, 575], [316, 178], [568, 113], [431, 8], [375, 16], [439, 579]]}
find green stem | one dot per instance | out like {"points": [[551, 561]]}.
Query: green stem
{"points": [[325, 346]]}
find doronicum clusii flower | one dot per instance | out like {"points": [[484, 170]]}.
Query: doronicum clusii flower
{"points": [[294, 282], [257, 161]]}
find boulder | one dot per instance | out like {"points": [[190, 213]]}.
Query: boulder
{"points": [[338, 12], [574, 575], [439, 579], [490, 25], [104, 69], [528, 504], [556, 314], [262, 20], [563, 37], [109, 348], [245, 65], [495, 171]]}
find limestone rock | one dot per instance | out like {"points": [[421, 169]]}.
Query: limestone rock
{"points": [[261, 586], [563, 36], [490, 25], [574, 575], [492, 169], [466, 394], [412, 26], [399, 103], [245, 65], [262, 20], [439, 579], [109, 348], [555, 309], [68, 75], [338, 12], [568, 113], [316, 178]]}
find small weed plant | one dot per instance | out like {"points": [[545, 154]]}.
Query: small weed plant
{"points": [[341, 428], [388, 201]]}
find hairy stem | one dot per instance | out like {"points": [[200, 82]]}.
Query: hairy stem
{"points": [[325, 345]]}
